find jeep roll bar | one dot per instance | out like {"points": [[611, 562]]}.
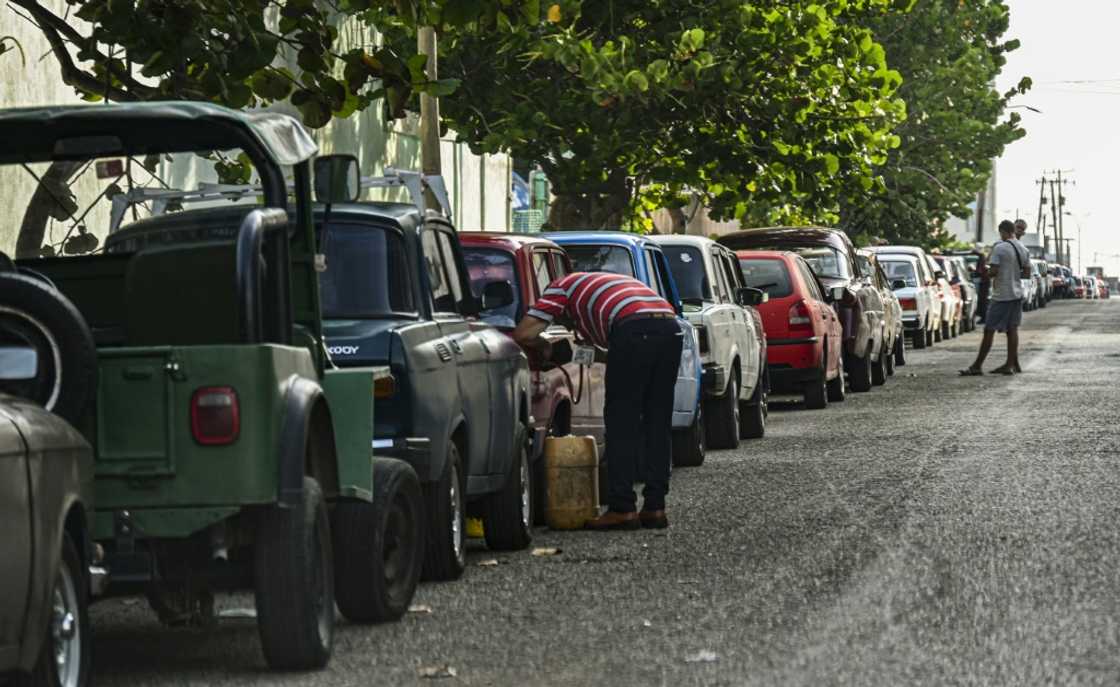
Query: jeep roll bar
{"points": [[257, 323]]}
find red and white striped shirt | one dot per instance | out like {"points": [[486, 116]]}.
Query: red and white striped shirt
{"points": [[595, 301]]}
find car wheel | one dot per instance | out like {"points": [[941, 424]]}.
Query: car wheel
{"points": [[35, 315], [946, 331], [445, 555], [919, 339], [508, 513], [879, 369], [859, 373], [294, 583], [64, 659], [932, 336], [837, 387], [816, 391], [752, 413], [900, 351], [888, 357], [690, 445], [722, 419], [380, 545]]}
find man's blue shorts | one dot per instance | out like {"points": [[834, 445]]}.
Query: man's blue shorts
{"points": [[1004, 315]]}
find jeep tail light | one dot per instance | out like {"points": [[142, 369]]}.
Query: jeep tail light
{"points": [[799, 316], [385, 387], [215, 416], [908, 303]]}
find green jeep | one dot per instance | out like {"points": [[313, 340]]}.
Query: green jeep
{"points": [[229, 452]]}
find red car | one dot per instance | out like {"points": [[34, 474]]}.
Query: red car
{"points": [[567, 399], [803, 332]]}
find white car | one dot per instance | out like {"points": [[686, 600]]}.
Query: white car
{"points": [[715, 298], [950, 303], [920, 298]]}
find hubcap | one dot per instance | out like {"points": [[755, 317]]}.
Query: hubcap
{"points": [[65, 630], [456, 514]]}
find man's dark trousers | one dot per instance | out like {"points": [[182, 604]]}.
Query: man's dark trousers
{"points": [[643, 357]]}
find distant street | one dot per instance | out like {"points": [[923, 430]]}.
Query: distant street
{"points": [[935, 530]]}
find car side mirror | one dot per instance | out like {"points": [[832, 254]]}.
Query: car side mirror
{"points": [[337, 179], [898, 284], [18, 363], [497, 294], [939, 274], [747, 296]]}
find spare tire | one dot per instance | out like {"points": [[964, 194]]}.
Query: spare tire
{"points": [[34, 314]]}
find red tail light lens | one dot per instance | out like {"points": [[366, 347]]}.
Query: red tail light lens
{"points": [[908, 303], [215, 416], [799, 316]]}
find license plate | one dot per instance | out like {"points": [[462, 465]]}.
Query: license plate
{"points": [[584, 355]]}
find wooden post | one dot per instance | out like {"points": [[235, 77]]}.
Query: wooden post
{"points": [[429, 110]]}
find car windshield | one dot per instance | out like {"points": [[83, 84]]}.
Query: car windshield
{"points": [[826, 262], [614, 259], [769, 275], [687, 265], [366, 273], [900, 270], [487, 265]]}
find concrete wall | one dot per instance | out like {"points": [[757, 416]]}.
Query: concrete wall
{"points": [[479, 186]]}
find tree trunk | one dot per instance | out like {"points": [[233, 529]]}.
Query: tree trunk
{"points": [[606, 206], [50, 200]]}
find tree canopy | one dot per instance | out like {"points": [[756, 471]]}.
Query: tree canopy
{"points": [[949, 54]]}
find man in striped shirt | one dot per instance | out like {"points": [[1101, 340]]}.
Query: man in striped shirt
{"points": [[643, 341]]}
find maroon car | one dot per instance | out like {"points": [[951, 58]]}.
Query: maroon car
{"points": [[566, 399]]}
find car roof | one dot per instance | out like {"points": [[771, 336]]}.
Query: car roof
{"points": [[765, 254], [614, 238], [39, 134], [901, 250], [682, 240], [791, 235], [499, 239]]}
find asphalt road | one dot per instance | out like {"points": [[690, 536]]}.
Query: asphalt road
{"points": [[938, 530]]}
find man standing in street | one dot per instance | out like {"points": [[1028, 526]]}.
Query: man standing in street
{"points": [[1020, 229], [1009, 262], [643, 340]]}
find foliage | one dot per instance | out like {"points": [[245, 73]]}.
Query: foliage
{"points": [[769, 110], [949, 53], [233, 52]]}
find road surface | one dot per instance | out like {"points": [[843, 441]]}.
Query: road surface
{"points": [[935, 530]]}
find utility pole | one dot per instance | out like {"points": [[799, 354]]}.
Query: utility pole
{"points": [[1040, 223], [1057, 207], [429, 111]]}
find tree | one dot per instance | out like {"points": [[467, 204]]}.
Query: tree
{"points": [[768, 110], [949, 54], [233, 52]]}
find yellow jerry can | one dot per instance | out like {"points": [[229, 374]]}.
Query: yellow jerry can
{"points": [[571, 481]]}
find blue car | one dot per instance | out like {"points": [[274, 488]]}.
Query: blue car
{"points": [[636, 256]]}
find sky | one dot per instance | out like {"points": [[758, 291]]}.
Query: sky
{"points": [[1078, 127]]}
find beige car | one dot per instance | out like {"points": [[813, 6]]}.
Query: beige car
{"points": [[894, 340]]}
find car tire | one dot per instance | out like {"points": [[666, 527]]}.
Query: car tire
{"points": [[837, 386], [888, 357], [445, 542], [815, 392], [900, 351], [690, 445], [933, 336], [507, 515], [879, 369], [69, 609], [859, 373], [753, 411], [722, 420], [946, 331], [294, 583], [32, 313], [919, 339], [380, 546]]}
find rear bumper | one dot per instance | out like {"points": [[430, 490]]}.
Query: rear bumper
{"points": [[786, 379]]}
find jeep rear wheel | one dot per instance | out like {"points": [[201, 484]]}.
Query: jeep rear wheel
{"points": [[380, 545], [294, 587], [507, 513], [690, 444], [445, 544]]}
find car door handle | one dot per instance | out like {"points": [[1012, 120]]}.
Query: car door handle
{"points": [[456, 347]]}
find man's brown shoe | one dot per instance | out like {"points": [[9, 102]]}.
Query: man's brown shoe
{"points": [[653, 519], [614, 521]]}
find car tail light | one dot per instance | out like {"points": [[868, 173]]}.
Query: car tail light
{"points": [[908, 303], [385, 387], [702, 338], [215, 415], [799, 316]]}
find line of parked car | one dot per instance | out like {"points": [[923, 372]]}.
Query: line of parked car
{"points": [[290, 390]]}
